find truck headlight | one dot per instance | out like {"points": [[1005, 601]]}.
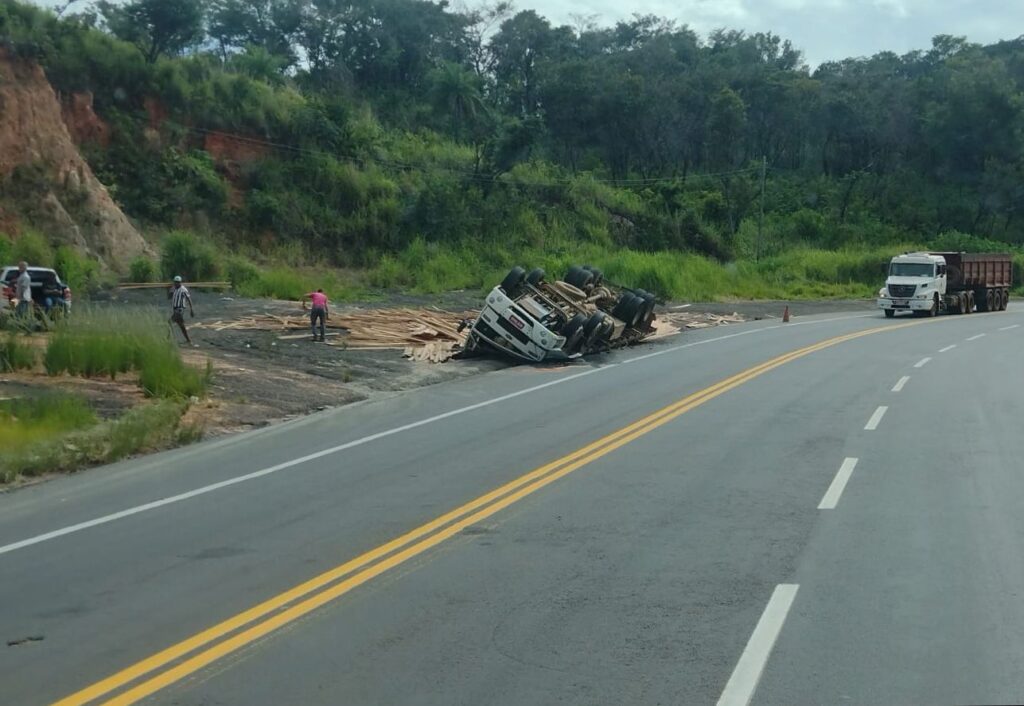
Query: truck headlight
{"points": [[882, 292]]}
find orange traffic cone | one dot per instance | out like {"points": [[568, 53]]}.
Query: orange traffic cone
{"points": [[785, 316]]}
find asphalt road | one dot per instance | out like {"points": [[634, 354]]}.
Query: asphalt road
{"points": [[707, 519]]}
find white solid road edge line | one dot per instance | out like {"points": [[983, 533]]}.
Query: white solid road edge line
{"points": [[975, 338], [1007, 328], [71, 529], [831, 497], [745, 677], [900, 383], [947, 348], [921, 363], [876, 418]]}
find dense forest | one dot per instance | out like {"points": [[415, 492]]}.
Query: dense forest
{"points": [[431, 147]]}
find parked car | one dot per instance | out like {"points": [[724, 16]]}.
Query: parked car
{"points": [[49, 293]]}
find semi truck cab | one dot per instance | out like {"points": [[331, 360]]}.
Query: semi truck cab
{"points": [[916, 282]]}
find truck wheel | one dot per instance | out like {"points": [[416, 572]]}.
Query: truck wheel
{"points": [[1004, 297], [573, 332], [889, 313], [618, 311], [513, 281], [598, 275], [579, 277], [633, 311], [594, 330], [970, 302], [535, 277], [934, 311], [989, 300]]}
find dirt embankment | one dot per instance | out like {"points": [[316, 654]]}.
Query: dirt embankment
{"points": [[45, 179]]}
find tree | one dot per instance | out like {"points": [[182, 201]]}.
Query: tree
{"points": [[157, 27], [456, 93]]}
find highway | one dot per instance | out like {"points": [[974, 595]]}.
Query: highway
{"points": [[825, 511]]}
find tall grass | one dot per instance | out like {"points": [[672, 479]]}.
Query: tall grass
{"points": [[16, 355], [110, 342], [52, 448], [30, 421], [803, 273], [292, 283]]}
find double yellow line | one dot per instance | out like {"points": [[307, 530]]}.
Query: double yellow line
{"points": [[188, 656]]}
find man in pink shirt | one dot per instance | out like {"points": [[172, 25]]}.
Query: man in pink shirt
{"points": [[318, 312]]}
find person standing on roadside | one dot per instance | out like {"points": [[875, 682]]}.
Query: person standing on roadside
{"points": [[318, 313], [178, 294], [23, 290]]}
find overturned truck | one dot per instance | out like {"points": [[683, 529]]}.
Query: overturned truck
{"points": [[534, 319]]}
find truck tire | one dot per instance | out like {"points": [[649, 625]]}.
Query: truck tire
{"points": [[990, 300], [889, 313], [970, 302], [961, 304], [1004, 297], [535, 277], [513, 281], [573, 332], [618, 311], [595, 329], [579, 277], [633, 311], [598, 275], [934, 311]]}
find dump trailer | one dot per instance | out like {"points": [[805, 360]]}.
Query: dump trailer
{"points": [[926, 283], [531, 318]]}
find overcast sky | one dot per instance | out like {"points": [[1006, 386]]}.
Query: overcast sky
{"points": [[823, 29]]}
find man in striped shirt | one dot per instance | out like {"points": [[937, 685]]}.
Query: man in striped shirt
{"points": [[179, 295]]}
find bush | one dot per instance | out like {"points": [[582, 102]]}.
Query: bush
{"points": [[15, 355], [33, 248], [6, 250], [77, 271], [141, 269], [184, 254]]}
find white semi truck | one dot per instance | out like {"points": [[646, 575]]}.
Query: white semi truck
{"points": [[533, 319], [926, 283]]}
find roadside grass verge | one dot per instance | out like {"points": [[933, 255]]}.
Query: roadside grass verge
{"points": [[291, 284], [805, 273], [64, 436], [102, 341]]}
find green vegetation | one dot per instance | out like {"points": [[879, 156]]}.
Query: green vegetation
{"points": [[16, 355], [60, 433], [26, 423], [109, 342], [141, 269], [431, 148]]}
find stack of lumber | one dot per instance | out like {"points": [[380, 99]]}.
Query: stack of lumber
{"points": [[698, 320], [367, 329]]}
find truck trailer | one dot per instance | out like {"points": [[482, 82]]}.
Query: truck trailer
{"points": [[925, 283]]}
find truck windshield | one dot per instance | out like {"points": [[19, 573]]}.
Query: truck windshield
{"points": [[911, 269]]}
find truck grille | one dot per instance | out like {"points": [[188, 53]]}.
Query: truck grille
{"points": [[902, 291]]}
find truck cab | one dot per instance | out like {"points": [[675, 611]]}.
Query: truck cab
{"points": [[916, 282]]}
